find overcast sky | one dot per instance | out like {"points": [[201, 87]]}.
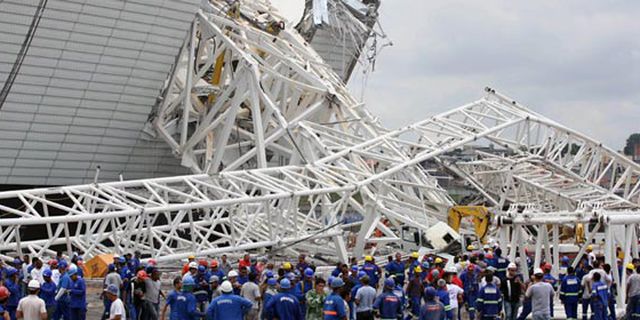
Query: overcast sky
{"points": [[577, 62]]}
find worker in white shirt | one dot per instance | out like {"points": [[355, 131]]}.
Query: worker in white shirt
{"points": [[32, 307]]}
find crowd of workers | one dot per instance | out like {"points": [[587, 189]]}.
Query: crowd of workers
{"points": [[479, 284]]}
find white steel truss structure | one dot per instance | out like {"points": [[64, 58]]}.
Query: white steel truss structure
{"points": [[282, 153], [620, 230]]}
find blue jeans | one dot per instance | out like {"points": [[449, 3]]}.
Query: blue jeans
{"points": [[511, 310]]}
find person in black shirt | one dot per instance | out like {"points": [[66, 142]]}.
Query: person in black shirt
{"points": [[512, 289]]}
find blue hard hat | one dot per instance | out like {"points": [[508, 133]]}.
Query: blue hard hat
{"points": [[308, 272], [354, 268], [330, 280], [296, 272], [272, 281], [73, 271], [62, 264], [361, 274], [47, 273], [269, 274], [389, 283], [202, 269], [285, 284], [122, 260], [337, 283], [9, 271], [430, 293], [188, 281], [111, 267], [565, 259], [17, 261], [290, 276]]}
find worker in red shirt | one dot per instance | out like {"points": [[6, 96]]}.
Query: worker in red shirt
{"points": [[185, 268], [431, 278], [245, 261]]}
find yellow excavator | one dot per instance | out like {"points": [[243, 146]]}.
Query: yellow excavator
{"points": [[481, 219]]}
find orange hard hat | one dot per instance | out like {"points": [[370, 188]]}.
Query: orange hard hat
{"points": [[214, 263], [4, 293], [142, 275], [203, 263], [547, 266]]}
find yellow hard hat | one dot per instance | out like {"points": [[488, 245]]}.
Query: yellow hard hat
{"points": [[415, 255], [438, 260], [368, 258], [470, 247], [191, 257], [417, 269], [286, 265], [590, 247], [630, 266]]}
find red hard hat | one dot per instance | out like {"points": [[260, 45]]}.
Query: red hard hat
{"points": [[214, 263], [547, 266], [142, 275], [4, 293], [152, 262], [203, 263]]}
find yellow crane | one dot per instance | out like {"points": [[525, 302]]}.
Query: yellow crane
{"points": [[481, 219]]}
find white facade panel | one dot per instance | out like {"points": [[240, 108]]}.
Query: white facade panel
{"points": [[86, 88]]}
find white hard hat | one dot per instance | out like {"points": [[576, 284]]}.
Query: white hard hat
{"points": [[451, 269], [512, 266], [538, 271], [34, 284], [226, 287], [486, 246], [193, 265], [232, 273]]}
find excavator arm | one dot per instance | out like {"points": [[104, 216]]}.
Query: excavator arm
{"points": [[481, 219]]}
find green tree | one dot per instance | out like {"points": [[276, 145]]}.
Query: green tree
{"points": [[631, 142]]}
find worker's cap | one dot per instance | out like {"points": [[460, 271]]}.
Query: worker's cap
{"points": [[188, 281], [590, 247], [152, 262], [547, 266], [361, 274], [538, 271], [565, 259], [470, 247], [442, 283], [79, 258], [226, 287], [72, 271], [389, 283], [415, 255], [286, 266], [630, 266], [430, 293], [232, 274], [368, 258], [290, 275], [268, 274], [9, 271], [193, 265], [491, 269], [202, 269], [142, 275], [47, 273], [438, 260], [62, 265], [308, 272], [111, 267], [191, 257], [337, 283], [435, 273], [53, 262], [214, 279], [489, 255], [297, 273], [34, 284], [272, 282], [203, 262], [112, 289], [450, 269], [417, 269], [122, 260], [471, 266], [214, 263], [512, 266], [285, 284], [486, 247], [354, 268]]}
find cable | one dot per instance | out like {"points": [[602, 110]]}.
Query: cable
{"points": [[22, 53]]}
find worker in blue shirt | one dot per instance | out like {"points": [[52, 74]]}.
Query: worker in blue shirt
{"points": [[333, 308], [172, 300], [186, 305], [489, 302], [395, 268], [599, 298], [501, 265], [443, 296], [228, 306], [470, 284], [13, 285], [48, 292], [303, 287], [201, 290], [62, 295], [284, 305], [77, 296], [388, 306], [413, 263], [372, 270], [569, 294], [432, 309], [564, 268], [356, 285]]}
